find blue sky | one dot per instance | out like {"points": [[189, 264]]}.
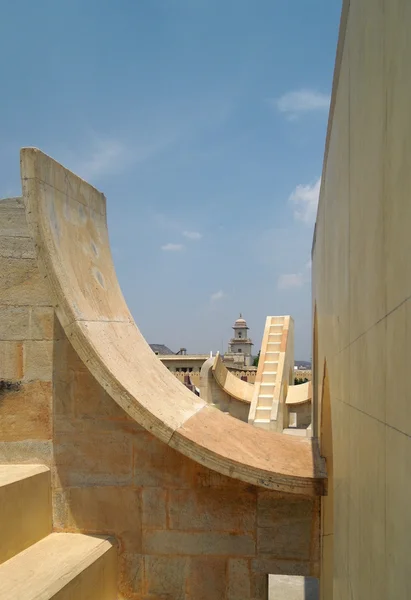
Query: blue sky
{"points": [[203, 122]]}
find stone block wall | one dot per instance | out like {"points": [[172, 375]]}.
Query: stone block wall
{"points": [[26, 343], [184, 532]]}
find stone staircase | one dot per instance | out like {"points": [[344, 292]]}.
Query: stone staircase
{"points": [[265, 397], [37, 564], [271, 375]]}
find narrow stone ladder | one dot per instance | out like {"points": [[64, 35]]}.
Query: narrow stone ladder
{"points": [[263, 400], [37, 564]]}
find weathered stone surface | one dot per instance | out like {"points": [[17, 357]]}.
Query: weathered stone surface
{"points": [[131, 575], [284, 526], [38, 360], [91, 399], [259, 586], [273, 508], [16, 247], [277, 566], [26, 323], [207, 478], [36, 452], [14, 323], [156, 465], [13, 218], [207, 578], [198, 543], [60, 507], [114, 510], [41, 323], [25, 414], [64, 425], [238, 579], [11, 360], [154, 508], [93, 459], [165, 576], [207, 509], [22, 284], [286, 540], [63, 406]]}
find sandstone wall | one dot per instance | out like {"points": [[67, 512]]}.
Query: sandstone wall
{"points": [[26, 344], [183, 531], [362, 308]]}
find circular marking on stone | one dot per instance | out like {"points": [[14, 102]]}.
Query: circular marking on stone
{"points": [[99, 277], [94, 248]]}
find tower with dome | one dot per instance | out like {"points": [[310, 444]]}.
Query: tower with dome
{"points": [[240, 346]]}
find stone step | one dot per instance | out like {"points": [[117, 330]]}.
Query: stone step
{"points": [[67, 566], [267, 388], [269, 377], [25, 507], [262, 423], [295, 431], [264, 402], [263, 412]]}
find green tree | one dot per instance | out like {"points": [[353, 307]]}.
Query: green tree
{"points": [[297, 381], [256, 359]]}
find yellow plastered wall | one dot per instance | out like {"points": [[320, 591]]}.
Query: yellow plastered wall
{"points": [[362, 292]]}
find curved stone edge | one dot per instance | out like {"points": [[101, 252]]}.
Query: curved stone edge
{"points": [[299, 394], [229, 383], [283, 464], [211, 430]]}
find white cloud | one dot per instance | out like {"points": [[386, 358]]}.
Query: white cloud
{"points": [[309, 264], [217, 296], [192, 235], [290, 280], [172, 247], [305, 201], [102, 155], [295, 103], [106, 157]]}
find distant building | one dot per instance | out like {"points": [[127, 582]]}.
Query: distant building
{"points": [[160, 349], [186, 367], [240, 346]]}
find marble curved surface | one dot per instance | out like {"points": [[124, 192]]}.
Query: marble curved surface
{"points": [[232, 385], [299, 394], [67, 219]]}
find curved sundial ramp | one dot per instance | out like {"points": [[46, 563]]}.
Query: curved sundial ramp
{"points": [[300, 394], [67, 219], [229, 383]]}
